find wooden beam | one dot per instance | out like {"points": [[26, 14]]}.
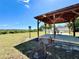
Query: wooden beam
{"points": [[77, 13], [61, 11]]}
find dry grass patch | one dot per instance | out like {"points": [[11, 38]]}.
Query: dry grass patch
{"points": [[8, 41]]}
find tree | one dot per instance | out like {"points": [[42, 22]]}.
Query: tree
{"points": [[48, 26], [70, 25], [77, 24]]}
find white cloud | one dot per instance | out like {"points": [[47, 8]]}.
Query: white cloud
{"points": [[25, 3], [27, 6]]}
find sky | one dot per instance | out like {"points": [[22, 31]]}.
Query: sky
{"points": [[19, 14]]}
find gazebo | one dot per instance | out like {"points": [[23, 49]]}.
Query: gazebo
{"points": [[67, 14]]}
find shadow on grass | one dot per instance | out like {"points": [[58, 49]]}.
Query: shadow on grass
{"points": [[27, 47]]}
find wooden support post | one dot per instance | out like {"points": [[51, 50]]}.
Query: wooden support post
{"points": [[54, 26], [45, 27], [69, 27], [73, 27], [38, 28]]}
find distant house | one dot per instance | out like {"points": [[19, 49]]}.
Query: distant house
{"points": [[62, 29], [59, 29]]}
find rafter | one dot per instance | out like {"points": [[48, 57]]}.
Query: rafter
{"points": [[77, 13]]}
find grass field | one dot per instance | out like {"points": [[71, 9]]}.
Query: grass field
{"points": [[8, 41]]}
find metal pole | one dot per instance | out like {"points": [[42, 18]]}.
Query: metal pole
{"points": [[29, 31]]}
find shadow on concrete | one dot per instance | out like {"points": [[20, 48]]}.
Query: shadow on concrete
{"points": [[31, 48], [27, 47]]}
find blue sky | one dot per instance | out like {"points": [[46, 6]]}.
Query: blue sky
{"points": [[19, 14]]}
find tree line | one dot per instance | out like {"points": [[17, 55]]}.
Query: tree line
{"points": [[13, 31]]}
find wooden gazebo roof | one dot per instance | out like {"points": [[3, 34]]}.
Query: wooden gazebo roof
{"points": [[60, 16]]}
